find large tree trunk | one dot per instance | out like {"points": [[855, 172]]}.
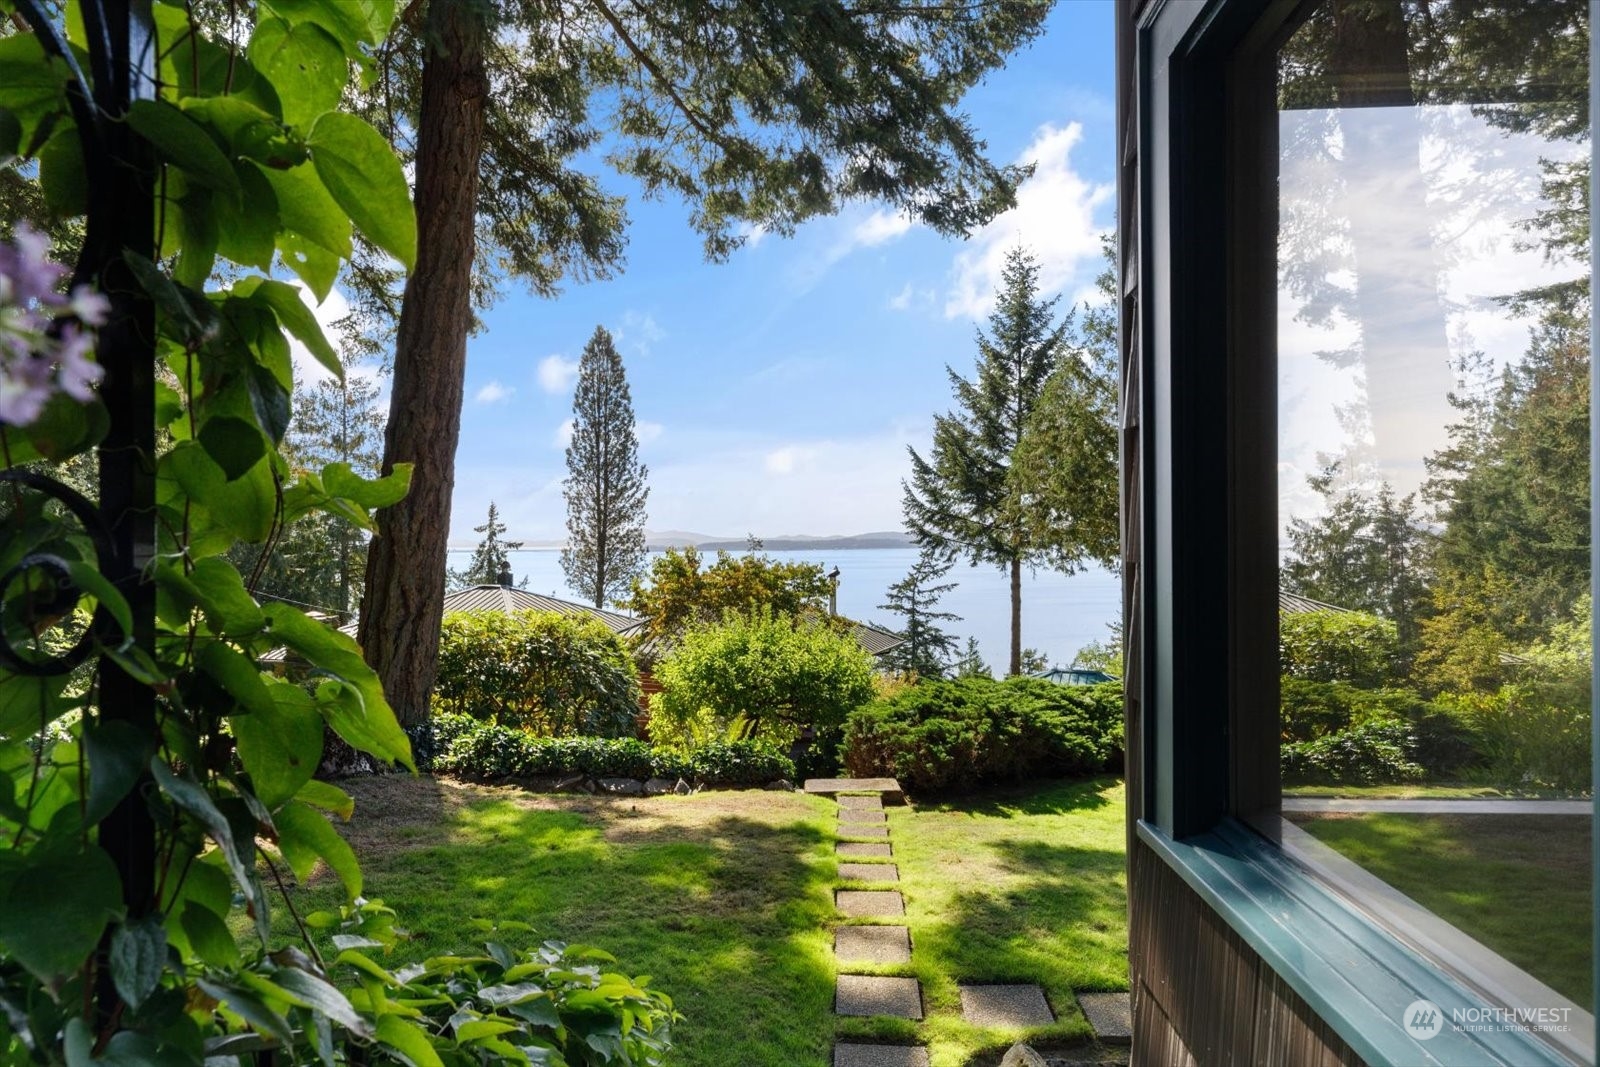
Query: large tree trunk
{"points": [[404, 599], [1016, 618]]}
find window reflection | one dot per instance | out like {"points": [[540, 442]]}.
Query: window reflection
{"points": [[1433, 459]]}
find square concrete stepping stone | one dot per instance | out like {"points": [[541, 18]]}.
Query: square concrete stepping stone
{"points": [[1111, 1015], [863, 850], [871, 833], [868, 872], [869, 903], [873, 803], [861, 815], [872, 944], [869, 994], [1014, 1006], [880, 1056], [834, 786]]}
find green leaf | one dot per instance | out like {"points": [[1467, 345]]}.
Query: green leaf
{"points": [[352, 23], [306, 836], [233, 443], [340, 481], [328, 798], [315, 265], [408, 1040], [87, 577], [28, 705], [191, 321], [306, 64], [138, 956], [34, 86], [10, 137], [192, 797], [117, 754], [198, 237], [239, 677], [476, 1029], [65, 428], [185, 143], [53, 910], [306, 208], [247, 233], [284, 301], [61, 173], [248, 131], [229, 607], [281, 745], [362, 172], [247, 1005], [358, 710], [209, 936], [309, 991]]}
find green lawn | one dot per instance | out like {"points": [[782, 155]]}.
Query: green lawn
{"points": [[1424, 791], [725, 898], [1518, 883]]}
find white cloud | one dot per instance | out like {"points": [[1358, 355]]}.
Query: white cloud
{"points": [[1055, 218], [648, 431], [493, 393], [878, 227], [901, 300], [557, 373], [786, 459], [751, 233], [563, 436], [640, 329], [307, 371]]}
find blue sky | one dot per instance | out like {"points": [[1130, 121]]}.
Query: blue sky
{"points": [[777, 392]]}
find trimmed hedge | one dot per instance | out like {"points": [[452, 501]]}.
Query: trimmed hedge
{"points": [[1370, 753], [487, 751], [954, 735]]}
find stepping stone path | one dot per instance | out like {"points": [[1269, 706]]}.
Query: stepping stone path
{"points": [[864, 836]]}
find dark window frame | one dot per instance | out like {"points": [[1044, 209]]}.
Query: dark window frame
{"points": [[1203, 580]]}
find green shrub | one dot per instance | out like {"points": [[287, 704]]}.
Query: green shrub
{"points": [[487, 751], [953, 735], [767, 676], [1533, 735], [740, 763], [1338, 646], [551, 674], [1369, 753], [1313, 709]]}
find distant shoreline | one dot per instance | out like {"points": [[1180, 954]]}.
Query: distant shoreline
{"points": [[776, 544]]}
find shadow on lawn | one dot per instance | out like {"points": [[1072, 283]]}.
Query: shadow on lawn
{"points": [[1052, 797]]}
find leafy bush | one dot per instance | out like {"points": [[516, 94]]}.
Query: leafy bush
{"points": [[555, 675], [431, 739], [487, 751], [740, 763], [953, 735], [1533, 736], [1338, 646], [1365, 754], [1313, 709], [763, 676]]}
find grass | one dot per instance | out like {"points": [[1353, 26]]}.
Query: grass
{"points": [[1424, 791], [1518, 883], [1016, 886], [725, 899]]}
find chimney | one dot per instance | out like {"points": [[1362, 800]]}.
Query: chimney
{"points": [[833, 592], [504, 577]]}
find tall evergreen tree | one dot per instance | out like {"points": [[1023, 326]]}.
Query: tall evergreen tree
{"points": [[605, 487], [962, 501], [491, 560], [928, 650]]}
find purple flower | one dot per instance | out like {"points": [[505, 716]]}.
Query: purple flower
{"points": [[91, 307], [26, 262], [24, 388], [79, 375]]}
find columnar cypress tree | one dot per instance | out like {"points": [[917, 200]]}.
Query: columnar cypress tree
{"points": [[960, 501], [605, 486]]}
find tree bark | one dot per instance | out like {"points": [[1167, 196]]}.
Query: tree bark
{"points": [[404, 601], [1016, 617]]}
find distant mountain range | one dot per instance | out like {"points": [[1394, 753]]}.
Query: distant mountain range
{"points": [[656, 540]]}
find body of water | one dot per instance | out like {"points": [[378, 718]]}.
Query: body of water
{"points": [[1059, 614]]}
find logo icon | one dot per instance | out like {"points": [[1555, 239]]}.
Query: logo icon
{"points": [[1423, 1019]]}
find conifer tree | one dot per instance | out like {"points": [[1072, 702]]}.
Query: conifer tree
{"points": [[962, 500], [928, 650], [491, 560], [605, 487]]}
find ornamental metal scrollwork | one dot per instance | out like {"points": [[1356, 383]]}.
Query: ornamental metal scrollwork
{"points": [[61, 594]]}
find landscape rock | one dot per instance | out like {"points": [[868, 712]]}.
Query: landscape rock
{"points": [[656, 786], [782, 784], [627, 787], [683, 788], [575, 783], [1020, 1055]]}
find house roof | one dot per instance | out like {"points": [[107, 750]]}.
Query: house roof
{"points": [[508, 600], [1295, 604]]}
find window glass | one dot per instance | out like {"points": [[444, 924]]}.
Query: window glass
{"points": [[1433, 460]]}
